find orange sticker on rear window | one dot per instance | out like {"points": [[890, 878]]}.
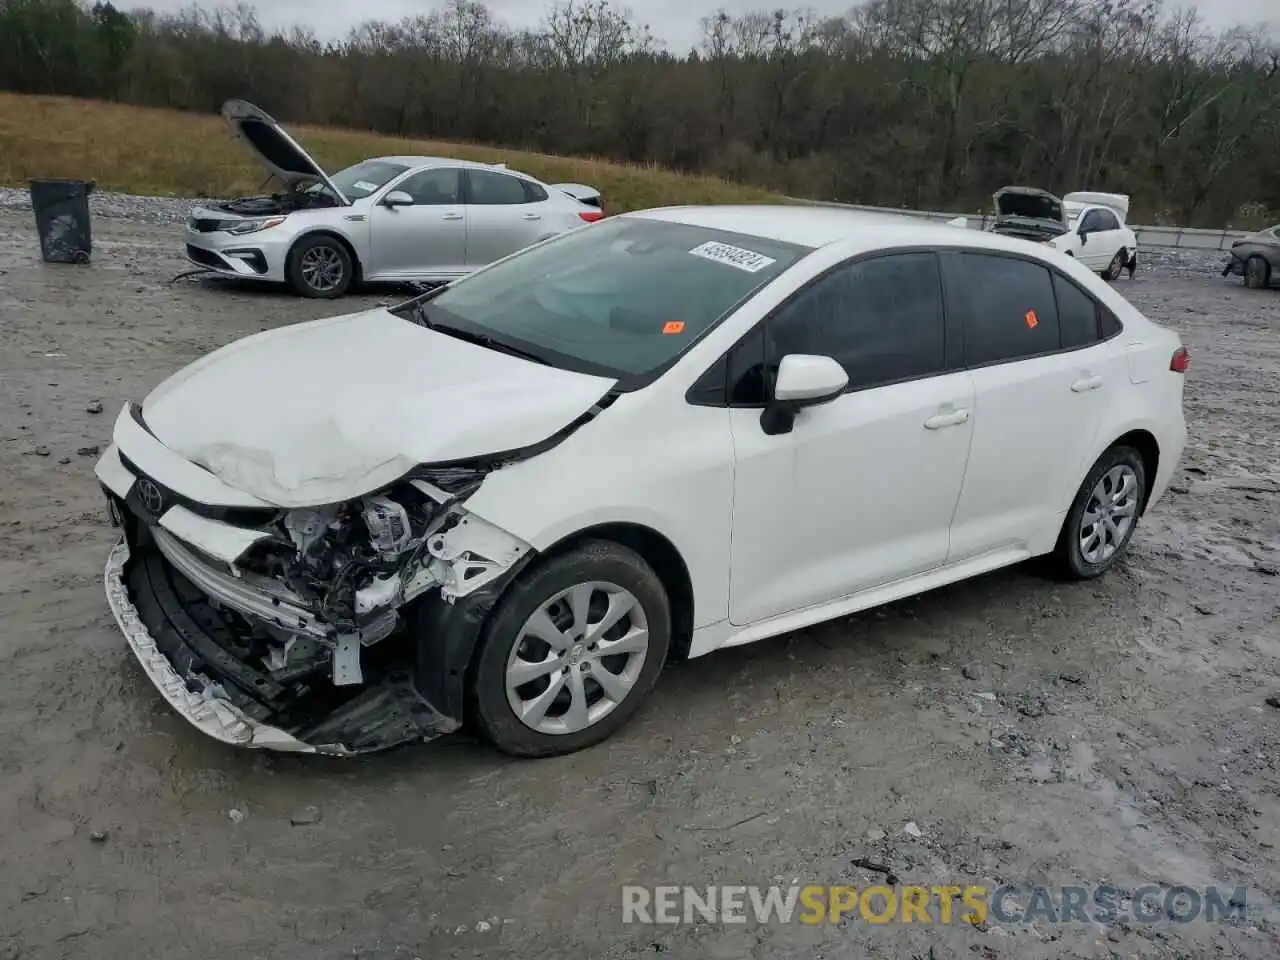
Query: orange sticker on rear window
{"points": [[1032, 320], [673, 326]]}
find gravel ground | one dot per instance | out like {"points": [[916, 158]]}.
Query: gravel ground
{"points": [[1003, 730]]}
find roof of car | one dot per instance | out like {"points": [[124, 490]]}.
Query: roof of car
{"points": [[818, 226], [407, 161]]}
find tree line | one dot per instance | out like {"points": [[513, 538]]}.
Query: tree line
{"points": [[917, 103]]}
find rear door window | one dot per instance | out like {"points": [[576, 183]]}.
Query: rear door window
{"points": [[1006, 306], [495, 189]]}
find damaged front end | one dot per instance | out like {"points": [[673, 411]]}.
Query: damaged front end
{"points": [[339, 629]]}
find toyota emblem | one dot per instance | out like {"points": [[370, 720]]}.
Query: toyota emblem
{"points": [[150, 496]]}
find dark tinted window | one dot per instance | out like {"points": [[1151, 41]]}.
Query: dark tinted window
{"points": [[1107, 219], [433, 187], [1094, 221], [1077, 314], [746, 370], [1108, 323], [495, 188], [532, 192], [1007, 307], [881, 318]]}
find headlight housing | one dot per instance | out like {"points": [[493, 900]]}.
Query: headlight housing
{"points": [[241, 227]]}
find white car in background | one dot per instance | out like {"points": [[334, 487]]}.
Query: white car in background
{"points": [[389, 219], [1086, 225], [669, 432]]}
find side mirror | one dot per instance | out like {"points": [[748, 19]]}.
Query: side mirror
{"points": [[397, 198], [1084, 235], [803, 380]]}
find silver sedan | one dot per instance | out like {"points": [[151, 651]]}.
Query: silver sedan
{"points": [[387, 219]]}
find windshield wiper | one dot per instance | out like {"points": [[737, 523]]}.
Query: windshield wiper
{"points": [[419, 315]]}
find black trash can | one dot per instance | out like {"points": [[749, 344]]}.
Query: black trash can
{"points": [[62, 217]]}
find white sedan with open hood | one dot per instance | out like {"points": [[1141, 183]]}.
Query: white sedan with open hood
{"points": [[1088, 226], [393, 219], [665, 433]]}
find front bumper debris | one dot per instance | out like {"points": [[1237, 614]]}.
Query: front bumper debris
{"points": [[218, 718], [234, 702]]}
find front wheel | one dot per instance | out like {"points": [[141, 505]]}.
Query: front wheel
{"points": [[1103, 516], [571, 652], [1257, 273], [320, 267]]}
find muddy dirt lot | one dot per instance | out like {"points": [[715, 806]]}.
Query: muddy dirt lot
{"points": [[1032, 732]]}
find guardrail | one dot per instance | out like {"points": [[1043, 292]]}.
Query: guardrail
{"points": [[1186, 238]]}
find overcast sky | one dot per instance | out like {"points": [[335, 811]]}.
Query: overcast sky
{"points": [[674, 21]]}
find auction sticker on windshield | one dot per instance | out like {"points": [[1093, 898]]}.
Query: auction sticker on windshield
{"points": [[725, 253], [365, 185]]}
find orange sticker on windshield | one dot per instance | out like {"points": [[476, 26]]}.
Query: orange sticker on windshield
{"points": [[1032, 320], [673, 326]]}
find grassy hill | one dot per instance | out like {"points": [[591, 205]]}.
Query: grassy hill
{"points": [[170, 153]]}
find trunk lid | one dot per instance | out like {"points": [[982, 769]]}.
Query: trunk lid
{"points": [[278, 152], [329, 410], [1119, 202], [580, 192]]}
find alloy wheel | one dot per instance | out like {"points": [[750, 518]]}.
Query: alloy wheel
{"points": [[322, 268], [577, 658], [1109, 515]]}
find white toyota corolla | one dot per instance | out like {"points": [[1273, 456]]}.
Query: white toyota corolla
{"points": [[510, 500]]}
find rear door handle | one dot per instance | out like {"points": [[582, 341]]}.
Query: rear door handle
{"points": [[452, 216], [533, 216], [953, 419], [1085, 384]]}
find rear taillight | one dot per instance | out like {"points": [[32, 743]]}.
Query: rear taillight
{"points": [[1181, 360], [591, 216]]}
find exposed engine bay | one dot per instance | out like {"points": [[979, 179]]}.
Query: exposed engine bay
{"points": [[277, 203], [313, 629]]}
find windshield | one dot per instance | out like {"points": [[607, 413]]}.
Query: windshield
{"points": [[621, 298], [365, 178]]}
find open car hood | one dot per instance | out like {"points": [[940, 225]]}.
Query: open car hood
{"points": [[1030, 207], [275, 149], [321, 412]]}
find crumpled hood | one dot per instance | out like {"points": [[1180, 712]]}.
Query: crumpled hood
{"points": [[329, 410]]}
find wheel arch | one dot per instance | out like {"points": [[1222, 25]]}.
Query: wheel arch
{"points": [[1148, 448], [659, 553], [333, 234]]}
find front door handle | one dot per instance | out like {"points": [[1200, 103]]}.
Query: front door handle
{"points": [[533, 216], [1086, 383], [452, 216], [952, 419]]}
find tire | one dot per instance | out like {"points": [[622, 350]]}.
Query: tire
{"points": [[320, 267], [1070, 559], [1257, 273], [600, 568], [1118, 262]]}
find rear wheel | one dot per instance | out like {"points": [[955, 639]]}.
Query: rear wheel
{"points": [[320, 267], [1116, 265], [1257, 273], [1103, 515], [570, 653]]}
